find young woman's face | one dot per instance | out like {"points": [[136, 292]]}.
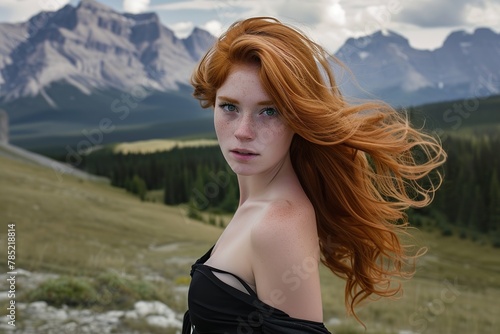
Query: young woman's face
{"points": [[252, 135]]}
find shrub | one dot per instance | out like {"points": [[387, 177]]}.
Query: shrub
{"points": [[120, 292], [108, 290], [446, 232], [65, 291]]}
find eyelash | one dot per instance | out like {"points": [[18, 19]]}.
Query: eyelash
{"points": [[224, 107], [270, 109]]}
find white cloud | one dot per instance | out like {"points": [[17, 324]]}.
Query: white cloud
{"points": [[19, 11], [135, 6], [182, 29], [442, 13], [486, 15], [203, 5], [336, 14], [214, 27], [50, 5]]}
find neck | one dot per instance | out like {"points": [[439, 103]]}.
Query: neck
{"points": [[268, 184]]}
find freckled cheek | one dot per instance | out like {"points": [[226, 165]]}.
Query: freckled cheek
{"points": [[221, 128], [273, 134]]}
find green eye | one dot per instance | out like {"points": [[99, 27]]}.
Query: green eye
{"points": [[270, 112], [228, 107]]}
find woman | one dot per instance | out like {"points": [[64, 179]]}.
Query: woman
{"points": [[320, 181]]}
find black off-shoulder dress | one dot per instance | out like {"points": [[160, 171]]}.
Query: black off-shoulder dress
{"points": [[216, 307]]}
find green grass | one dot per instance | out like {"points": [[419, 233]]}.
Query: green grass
{"points": [[455, 290], [77, 227], [83, 230], [109, 290]]}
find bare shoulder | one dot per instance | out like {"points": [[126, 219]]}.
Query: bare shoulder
{"points": [[285, 259], [285, 224]]}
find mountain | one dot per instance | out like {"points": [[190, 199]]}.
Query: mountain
{"points": [[62, 72], [384, 64], [93, 47]]}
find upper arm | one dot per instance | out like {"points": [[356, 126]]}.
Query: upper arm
{"points": [[285, 261]]}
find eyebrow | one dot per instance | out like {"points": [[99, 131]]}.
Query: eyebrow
{"points": [[230, 100]]}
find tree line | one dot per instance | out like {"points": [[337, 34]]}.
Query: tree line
{"points": [[469, 198], [198, 176], [468, 201]]}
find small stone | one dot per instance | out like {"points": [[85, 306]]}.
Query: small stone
{"points": [[144, 309], [131, 315], [161, 321], [37, 307]]}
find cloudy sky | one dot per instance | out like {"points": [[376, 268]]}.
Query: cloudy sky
{"points": [[424, 22]]}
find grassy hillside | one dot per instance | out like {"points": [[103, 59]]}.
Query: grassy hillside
{"points": [[81, 228]]}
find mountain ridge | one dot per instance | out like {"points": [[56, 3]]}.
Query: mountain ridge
{"points": [[91, 46], [63, 71], [465, 66], [136, 49]]}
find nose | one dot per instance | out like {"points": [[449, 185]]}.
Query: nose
{"points": [[245, 129]]}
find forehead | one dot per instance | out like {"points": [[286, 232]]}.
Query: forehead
{"points": [[243, 82]]}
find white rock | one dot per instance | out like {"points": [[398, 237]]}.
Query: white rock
{"points": [[37, 307], [23, 272], [115, 314], [4, 295], [334, 321], [164, 322], [144, 309], [54, 314], [112, 317], [131, 315]]}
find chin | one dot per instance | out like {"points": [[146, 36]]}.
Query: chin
{"points": [[242, 171]]}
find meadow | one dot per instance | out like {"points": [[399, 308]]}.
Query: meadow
{"points": [[82, 229]]}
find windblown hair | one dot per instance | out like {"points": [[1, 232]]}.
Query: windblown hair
{"points": [[361, 165]]}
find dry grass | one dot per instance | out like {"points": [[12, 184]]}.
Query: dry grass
{"points": [[82, 228], [455, 290]]}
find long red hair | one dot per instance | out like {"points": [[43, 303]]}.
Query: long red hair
{"points": [[361, 165]]}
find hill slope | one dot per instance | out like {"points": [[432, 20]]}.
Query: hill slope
{"points": [[69, 225], [59, 169], [79, 227]]}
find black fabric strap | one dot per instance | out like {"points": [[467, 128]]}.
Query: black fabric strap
{"points": [[186, 323], [245, 284]]}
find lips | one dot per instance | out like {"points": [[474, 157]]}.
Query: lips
{"points": [[243, 152]]}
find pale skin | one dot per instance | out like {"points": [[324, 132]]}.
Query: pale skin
{"points": [[272, 240]]}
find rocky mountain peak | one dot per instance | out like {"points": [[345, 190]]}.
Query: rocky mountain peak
{"points": [[379, 39], [199, 42], [385, 64], [389, 36], [93, 6], [93, 47], [479, 36], [485, 33]]}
